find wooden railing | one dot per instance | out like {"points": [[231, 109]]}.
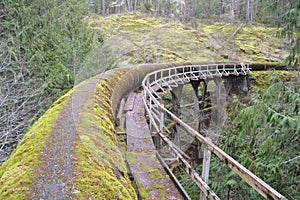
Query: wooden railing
{"points": [[164, 80]]}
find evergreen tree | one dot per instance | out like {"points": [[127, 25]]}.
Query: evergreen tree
{"points": [[43, 44], [290, 25]]}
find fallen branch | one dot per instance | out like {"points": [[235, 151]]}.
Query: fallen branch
{"points": [[237, 30], [292, 159], [207, 109]]}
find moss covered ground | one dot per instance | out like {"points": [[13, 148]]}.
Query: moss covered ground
{"points": [[263, 79], [138, 38]]}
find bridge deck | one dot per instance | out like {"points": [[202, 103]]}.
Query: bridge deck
{"points": [[151, 178]]}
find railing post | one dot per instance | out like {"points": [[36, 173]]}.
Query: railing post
{"points": [[158, 142], [176, 98], [205, 167]]}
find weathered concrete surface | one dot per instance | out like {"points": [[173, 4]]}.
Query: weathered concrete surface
{"points": [[74, 157], [21, 176]]}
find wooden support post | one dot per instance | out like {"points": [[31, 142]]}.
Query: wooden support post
{"points": [[218, 115], [218, 82], [195, 85], [205, 167], [204, 90], [196, 126], [244, 84], [161, 122]]}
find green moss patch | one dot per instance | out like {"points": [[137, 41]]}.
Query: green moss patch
{"points": [[101, 171], [263, 79], [18, 173], [138, 38]]}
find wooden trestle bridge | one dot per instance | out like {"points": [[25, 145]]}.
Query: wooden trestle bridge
{"points": [[148, 153]]}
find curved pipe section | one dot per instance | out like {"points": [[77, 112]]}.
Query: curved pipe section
{"points": [[20, 172]]}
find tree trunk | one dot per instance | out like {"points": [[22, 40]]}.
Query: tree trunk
{"points": [[157, 7], [255, 10], [248, 10], [232, 7], [204, 9], [129, 5], [195, 8], [135, 4], [222, 7], [237, 8], [103, 7]]}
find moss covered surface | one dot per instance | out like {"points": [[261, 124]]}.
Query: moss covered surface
{"points": [[98, 168], [137, 38], [18, 173], [263, 79], [101, 172], [145, 166]]}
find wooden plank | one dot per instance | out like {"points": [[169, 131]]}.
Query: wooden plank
{"points": [[130, 102], [205, 168], [205, 189], [152, 180], [173, 177]]}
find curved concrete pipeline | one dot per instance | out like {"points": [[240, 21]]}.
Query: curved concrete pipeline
{"points": [[19, 174]]}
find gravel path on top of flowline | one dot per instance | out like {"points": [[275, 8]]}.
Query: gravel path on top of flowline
{"points": [[55, 179]]}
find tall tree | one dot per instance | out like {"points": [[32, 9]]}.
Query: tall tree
{"points": [[290, 24], [232, 8], [248, 10]]}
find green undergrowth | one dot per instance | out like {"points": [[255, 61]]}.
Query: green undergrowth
{"points": [[260, 43], [17, 174], [101, 172], [139, 38], [267, 65], [263, 79]]}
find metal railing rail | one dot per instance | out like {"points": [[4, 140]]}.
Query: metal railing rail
{"points": [[163, 80]]}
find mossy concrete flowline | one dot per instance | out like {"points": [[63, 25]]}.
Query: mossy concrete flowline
{"points": [[72, 150]]}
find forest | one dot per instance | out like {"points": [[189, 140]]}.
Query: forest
{"points": [[48, 47]]}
